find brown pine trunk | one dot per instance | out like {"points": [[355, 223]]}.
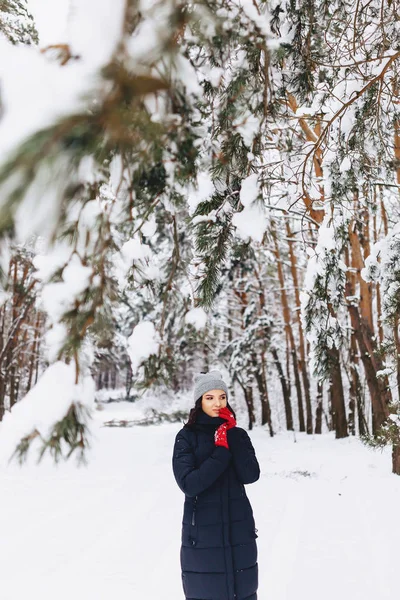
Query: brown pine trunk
{"points": [[355, 391], [355, 388], [302, 426], [383, 209], [378, 390], [318, 412], [396, 93], [249, 399], [266, 415], [377, 286], [357, 263], [12, 378], [285, 390], [34, 351], [264, 398], [288, 329], [396, 459], [369, 352], [128, 380], [302, 361], [351, 421], [339, 421], [397, 344], [2, 397]]}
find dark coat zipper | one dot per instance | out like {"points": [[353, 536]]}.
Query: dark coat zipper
{"points": [[194, 511]]}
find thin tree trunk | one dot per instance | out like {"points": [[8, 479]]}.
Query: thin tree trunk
{"points": [[397, 344], [33, 353], [2, 396], [379, 392], [264, 399], [288, 329], [396, 459], [377, 286], [339, 420], [318, 413], [128, 380], [285, 390], [302, 361], [249, 399], [355, 387], [302, 426], [369, 353], [357, 264]]}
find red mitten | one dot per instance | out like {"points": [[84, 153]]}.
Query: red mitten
{"points": [[225, 413], [220, 436]]}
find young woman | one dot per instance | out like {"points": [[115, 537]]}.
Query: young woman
{"points": [[212, 460]]}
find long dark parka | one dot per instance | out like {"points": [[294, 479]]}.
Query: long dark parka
{"points": [[219, 551]]}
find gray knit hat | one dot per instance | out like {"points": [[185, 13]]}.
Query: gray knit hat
{"points": [[209, 381]]}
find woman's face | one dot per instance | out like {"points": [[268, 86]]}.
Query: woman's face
{"points": [[212, 401]]}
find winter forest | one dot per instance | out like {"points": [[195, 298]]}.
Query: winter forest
{"points": [[197, 185]]}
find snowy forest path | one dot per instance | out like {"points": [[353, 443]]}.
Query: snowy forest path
{"points": [[112, 529], [322, 508]]}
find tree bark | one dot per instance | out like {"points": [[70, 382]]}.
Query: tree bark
{"points": [[285, 390], [288, 329], [378, 387], [266, 417], [339, 420], [355, 388], [249, 399], [396, 459], [302, 361], [318, 413]]}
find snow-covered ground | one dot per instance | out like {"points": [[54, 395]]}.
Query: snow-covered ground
{"points": [[326, 512]]}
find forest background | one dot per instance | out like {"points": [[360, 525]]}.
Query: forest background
{"points": [[191, 185]]}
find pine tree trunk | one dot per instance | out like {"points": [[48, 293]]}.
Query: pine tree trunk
{"points": [[378, 390], [318, 413], [302, 363], [396, 94], [288, 329], [383, 209], [357, 264], [397, 344], [355, 388], [369, 353], [285, 390], [339, 420], [248, 396], [33, 352], [396, 459], [13, 398], [264, 399], [302, 426], [2, 397], [377, 285], [128, 380]]}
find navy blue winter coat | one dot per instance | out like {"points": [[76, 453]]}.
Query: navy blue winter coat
{"points": [[219, 551]]}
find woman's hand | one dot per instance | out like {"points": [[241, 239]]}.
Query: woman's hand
{"points": [[220, 436], [226, 414]]}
